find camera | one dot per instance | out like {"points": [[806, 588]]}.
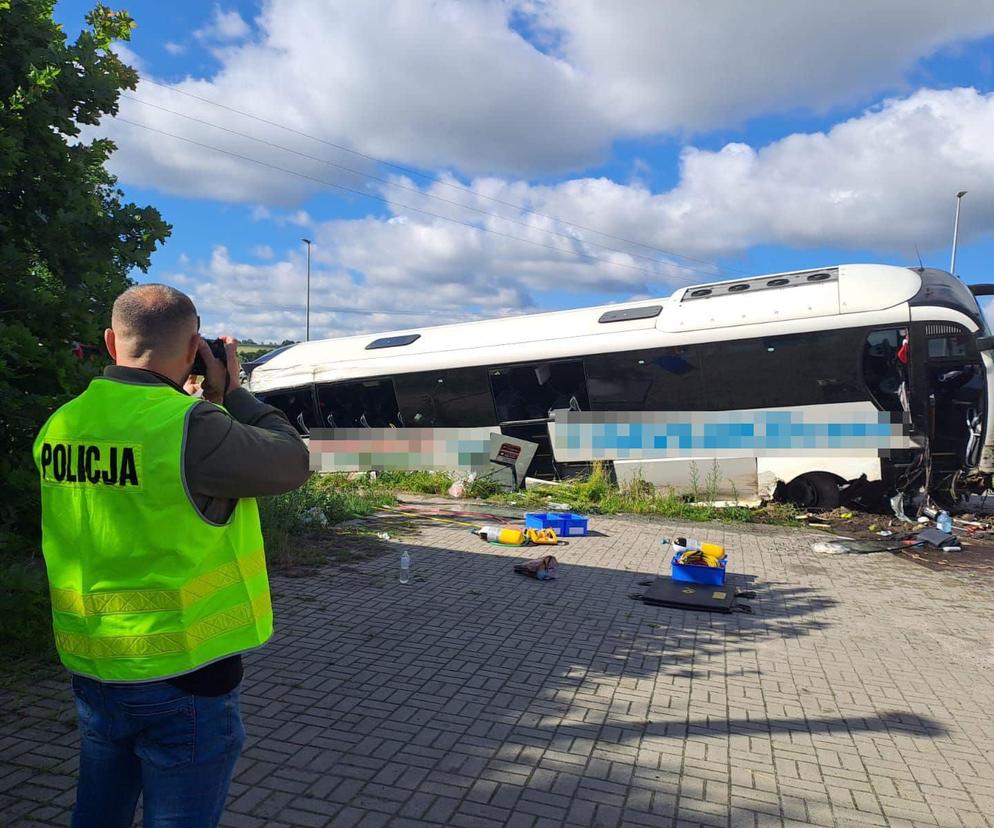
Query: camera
{"points": [[217, 349]]}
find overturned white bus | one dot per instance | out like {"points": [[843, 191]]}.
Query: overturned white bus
{"points": [[851, 382]]}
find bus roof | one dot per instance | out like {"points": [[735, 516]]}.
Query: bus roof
{"points": [[716, 310]]}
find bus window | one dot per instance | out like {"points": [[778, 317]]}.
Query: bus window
{"points": [[298, 405], [365, 404], [948, 347], [456, 398], [531, 392], [667, 379], [797, 369], [883, 370]]}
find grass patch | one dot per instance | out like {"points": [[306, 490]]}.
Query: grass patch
{"points": [[597, 495]]}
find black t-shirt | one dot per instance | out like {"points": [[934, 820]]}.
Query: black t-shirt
{"points": [[213, 680]]}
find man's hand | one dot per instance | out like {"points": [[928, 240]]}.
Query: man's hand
{"points": [[234, 366], [221, 378]]}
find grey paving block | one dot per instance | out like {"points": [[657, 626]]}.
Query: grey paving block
{"points": [[855, 694]]}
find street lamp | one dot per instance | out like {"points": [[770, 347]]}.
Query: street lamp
{"points": [[307, 320], [952, 263]]}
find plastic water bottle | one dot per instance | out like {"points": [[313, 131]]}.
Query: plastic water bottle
{"points": [[405, 567], [944, 522]]}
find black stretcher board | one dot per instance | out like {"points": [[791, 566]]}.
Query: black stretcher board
{"points": [[665, 592]]}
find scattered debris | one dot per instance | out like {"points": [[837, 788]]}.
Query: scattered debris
{"points": [[897, 506], [544, 569], [314, 517]]}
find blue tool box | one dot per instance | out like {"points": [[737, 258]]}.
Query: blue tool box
{"points": [[696, 574], [566, 524]]}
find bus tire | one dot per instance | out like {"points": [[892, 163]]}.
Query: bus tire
{"points": [[814, 490]]}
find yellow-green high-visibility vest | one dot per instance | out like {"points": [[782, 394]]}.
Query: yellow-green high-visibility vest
{"points": [[143, 586]]}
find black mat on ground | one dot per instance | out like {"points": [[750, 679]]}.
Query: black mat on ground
{"points": [[665, 592]]}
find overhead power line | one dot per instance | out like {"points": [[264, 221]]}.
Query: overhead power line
{"points": [[405, 188], [387, 201], [441, 182], [325, 309]]}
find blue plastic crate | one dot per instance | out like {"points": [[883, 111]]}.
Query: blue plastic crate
{"points": [[566, 524], [696, 574]]}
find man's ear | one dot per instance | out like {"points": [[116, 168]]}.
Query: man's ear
{"points": [[191, 348], [111, 343]]}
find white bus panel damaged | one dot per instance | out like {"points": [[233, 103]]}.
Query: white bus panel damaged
{"points": [[842, 384]]}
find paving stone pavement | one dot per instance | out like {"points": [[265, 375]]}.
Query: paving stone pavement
{"points": [[858, 693]]}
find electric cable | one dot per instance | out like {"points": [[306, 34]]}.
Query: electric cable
{"points": [[439, 181], [415, 190], [387, 201]]}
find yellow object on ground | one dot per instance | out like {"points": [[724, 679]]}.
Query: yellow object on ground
{"points": [[511, 536], [698, 557], [714, 550]]}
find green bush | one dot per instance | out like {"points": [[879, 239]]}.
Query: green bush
{"points": [[26, 611]]}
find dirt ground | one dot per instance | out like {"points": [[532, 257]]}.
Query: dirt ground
{"points": [[975, 532]]}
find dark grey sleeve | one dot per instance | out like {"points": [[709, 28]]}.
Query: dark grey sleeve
{"points": [[253, 452]]}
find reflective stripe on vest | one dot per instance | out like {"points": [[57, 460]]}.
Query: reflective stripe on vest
{"points": [[132, 646], [143, 586], [159, 600]]}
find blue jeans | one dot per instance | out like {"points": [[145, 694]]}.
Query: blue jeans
{"points": [[179, 749]]}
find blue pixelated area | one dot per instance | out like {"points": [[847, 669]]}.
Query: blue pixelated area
{"points": [[841, 429]]}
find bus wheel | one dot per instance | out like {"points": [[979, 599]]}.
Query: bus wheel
{"points": [[813, 490]]}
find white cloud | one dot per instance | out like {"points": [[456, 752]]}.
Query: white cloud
{"points": [[266, 301], [128, 56], [174, 48], [884, 180], [658, 65], [453, 85], [224, 26], [262, 251]]}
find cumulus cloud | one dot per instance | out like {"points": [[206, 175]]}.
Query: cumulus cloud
{"points": [[267, 301], [224, 26], [884, 180], [657, 65], [456, 85]]}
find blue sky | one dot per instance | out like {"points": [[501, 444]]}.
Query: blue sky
{"points": [[810, 138]]}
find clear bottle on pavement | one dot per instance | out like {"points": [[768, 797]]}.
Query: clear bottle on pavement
{"points": [[944, 522], [405, 567]]}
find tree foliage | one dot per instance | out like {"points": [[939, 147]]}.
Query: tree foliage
{"points": [[68, 239]]}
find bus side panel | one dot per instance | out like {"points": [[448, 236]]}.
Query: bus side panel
{"points": [[856, 429], [720, 478]]}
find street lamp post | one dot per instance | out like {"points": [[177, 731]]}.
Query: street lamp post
{"points": [[307, 319], [952, 263]]}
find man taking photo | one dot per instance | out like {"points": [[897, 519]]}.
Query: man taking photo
{"points": [[155, 561]]}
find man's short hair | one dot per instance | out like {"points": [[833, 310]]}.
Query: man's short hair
{"points": [[153, 318]]}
